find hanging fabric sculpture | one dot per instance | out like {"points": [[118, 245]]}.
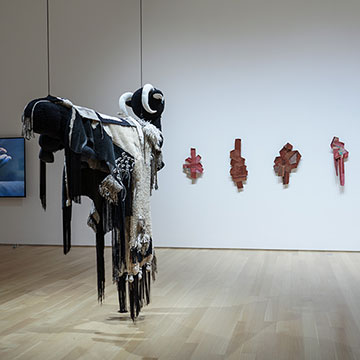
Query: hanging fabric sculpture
{"points": [[288, 160], [114, 161], [238, 170], [340, 154], [193, 167]]}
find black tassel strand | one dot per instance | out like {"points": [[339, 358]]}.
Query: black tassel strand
{"points": [[115, 254], [141, 292], [121, 286], [136, 295], [66, 213], [147, 286], [67, 210], [132, 300], [100, 262], [43, 184]]}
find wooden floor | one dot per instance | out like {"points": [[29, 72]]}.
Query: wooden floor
{"points": [[206, 304]]}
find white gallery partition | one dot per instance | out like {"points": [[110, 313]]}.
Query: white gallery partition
{"points": [[94, 58], [23, 74], [268, 72]]}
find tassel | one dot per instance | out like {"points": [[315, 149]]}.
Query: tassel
{"points": [[67, 210], [121, 286], [100, 262], [115, 254], [107, 216], [147, 287], [132, 300], [142, 289], [136, 295], [154, 266], [123, 238], [43, 184], [73, 174]]}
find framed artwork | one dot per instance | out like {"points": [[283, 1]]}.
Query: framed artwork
{"points": [[12, 167]]}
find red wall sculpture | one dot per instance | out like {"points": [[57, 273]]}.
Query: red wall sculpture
{"points": [[289, 159], [238, 170], [193, 166], [340, 154]]}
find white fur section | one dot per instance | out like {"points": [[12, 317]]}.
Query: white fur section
{"points": [[139, 141], [141, 201], [125, 137], [152, 133], [128, 139], [139, 130]]}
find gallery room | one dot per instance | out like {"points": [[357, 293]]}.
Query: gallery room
{"points": [[180, 179]]}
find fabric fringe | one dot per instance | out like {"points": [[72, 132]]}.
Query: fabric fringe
{"points": [[115, 246], [67, 210], [131, 300], [121, 286], [112, 217], [27, 128], [137, 297], [110, 189], [43, 184], [139, 292], [93, 219], [100, 263], [154, 267], [73, 175], [148, 287]]}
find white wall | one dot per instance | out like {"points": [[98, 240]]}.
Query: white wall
{"points": [[94, 59], [23, 75], [268, 72], [94, 50]]}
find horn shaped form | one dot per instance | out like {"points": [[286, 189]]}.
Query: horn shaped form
{"points": [[145, 98], [122, 102], [158, 96]]}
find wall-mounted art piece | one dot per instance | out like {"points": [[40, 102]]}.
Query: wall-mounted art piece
{"points": [[114, 161], [193, 167], [288, 160], [12, 167], [340, 154], [238, 170]]}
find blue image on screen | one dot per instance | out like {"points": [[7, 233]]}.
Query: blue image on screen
{"points": [[12, 167]]}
